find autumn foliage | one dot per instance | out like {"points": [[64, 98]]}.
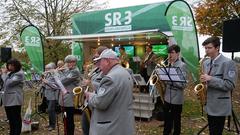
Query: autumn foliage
{"points": [[210, 15]]}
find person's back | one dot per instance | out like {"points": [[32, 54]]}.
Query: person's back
{"points": [[118, 113], [112, 103]]}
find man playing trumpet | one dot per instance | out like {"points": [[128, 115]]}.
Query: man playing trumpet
{"points": [[113, 100], [93, 79], [51, 94]]}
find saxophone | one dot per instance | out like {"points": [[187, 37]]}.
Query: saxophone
{"points": [[201, 89], [78, 100], [78, 92]]}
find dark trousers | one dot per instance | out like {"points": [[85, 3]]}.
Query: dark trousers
{"points": [[172, 118], [69, 120], [15, 121], [86, 114], [52, 113], [216, 124], [144, 89], [144, 74]]}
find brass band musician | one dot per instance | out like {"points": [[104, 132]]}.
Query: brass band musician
{"points": [[51, 93], [94, 78], [70, 79], [148, 65], [112, 102], [124, 58], [173, 98], [220, 76]]}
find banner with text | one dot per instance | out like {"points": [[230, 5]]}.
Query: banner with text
{"points": [[77, 51], [182, 25], [32, 41]]}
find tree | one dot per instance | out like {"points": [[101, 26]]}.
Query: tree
{"points": [[210, 15], [52, 17]]}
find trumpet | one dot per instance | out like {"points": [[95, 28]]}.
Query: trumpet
{"points": [[93, 72]]}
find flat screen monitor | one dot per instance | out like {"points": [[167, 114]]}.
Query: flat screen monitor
{"points": [[160, 50], [129, 49]]}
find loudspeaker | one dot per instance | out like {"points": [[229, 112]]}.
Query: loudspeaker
{"points": [[231, 32], [6, 54]]}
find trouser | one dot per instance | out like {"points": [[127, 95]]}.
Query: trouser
{"points": [[144, 89], [52, 113], [172, 118], [69, 120], [15, 121], [86, 114], [216, 124]]}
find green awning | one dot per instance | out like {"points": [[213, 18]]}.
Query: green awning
{"points": [[143, 17]]}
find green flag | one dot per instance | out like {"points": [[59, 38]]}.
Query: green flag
{"points": [[180, 19], [77, 52], [32, 41]]}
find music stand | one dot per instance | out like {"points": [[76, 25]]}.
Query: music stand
{"points": [[139, 80], [170, 74], [36, 111]]}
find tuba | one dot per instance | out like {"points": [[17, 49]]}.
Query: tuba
{"points": [[78, 100], [201, 89], [159, 85]]}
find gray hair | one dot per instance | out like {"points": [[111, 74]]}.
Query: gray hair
{"points": [[51, 65], [70, 58]]}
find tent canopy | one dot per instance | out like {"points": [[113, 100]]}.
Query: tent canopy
{"points": [[136, 25]]}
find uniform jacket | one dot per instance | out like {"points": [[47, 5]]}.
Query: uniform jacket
{"points": [[70, 79], [51, 89], [112, 104], [175, 91], [224, 75], [13, 89]]}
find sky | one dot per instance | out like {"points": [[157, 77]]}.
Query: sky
{"points": [[126, 3]]}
